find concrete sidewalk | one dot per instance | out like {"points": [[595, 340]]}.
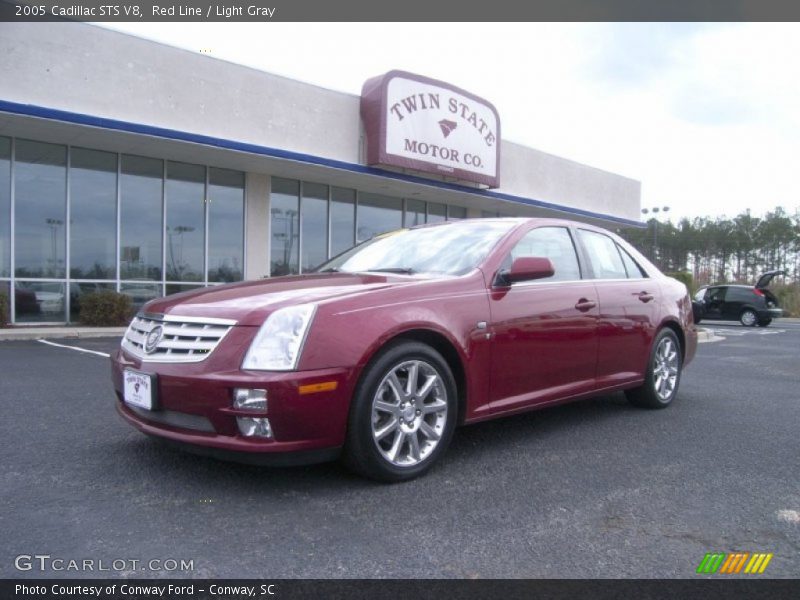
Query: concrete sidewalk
{"points": [[37, 333]]}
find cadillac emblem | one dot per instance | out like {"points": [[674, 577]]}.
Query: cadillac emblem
{"points": [[151, 343]]}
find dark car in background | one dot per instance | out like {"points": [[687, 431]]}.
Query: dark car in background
{"points": [[750, 305]]}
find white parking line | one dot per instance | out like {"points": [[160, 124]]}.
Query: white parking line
{"points": [[49, 343]]}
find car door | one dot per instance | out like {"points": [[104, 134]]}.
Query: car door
{"points": [[628, 302], [544, 331], [715, 302]]}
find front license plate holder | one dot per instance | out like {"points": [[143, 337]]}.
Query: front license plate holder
{"points": [[139, 389]]}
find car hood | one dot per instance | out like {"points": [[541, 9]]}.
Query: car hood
{"points": [[249, 303], [766, 278]]}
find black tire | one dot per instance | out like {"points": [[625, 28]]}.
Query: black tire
{"points": [[364, 452], [764, 322], [748, 318], [650, 394]]}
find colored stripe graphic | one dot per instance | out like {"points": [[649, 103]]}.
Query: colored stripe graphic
{"points": [[711, 562], [732, 563], [758, 563]]}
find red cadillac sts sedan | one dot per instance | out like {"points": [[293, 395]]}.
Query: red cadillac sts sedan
{"points": [[379, 354]]}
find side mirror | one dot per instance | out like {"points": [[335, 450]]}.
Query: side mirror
{"points": [[526, 268]]}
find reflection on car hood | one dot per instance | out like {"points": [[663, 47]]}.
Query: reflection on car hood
{"points": [[250, 302]]}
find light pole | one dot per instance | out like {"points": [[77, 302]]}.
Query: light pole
{"points": [[655, 210]]}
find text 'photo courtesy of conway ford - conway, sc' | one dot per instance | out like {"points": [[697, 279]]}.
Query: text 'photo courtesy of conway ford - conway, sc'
{"points": [[380, 353]]}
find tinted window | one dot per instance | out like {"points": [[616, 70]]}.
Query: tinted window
{"points": [[454, 213], [631, 266], [41, 212], [436, 212], [285, 226], [5, 207], [315, 225], [554, 243], [343, 219], [737, 294], [141, 218], [225, 225], [415, 213], [603, 255], [92, 216], [377, 214], [186, 221]]}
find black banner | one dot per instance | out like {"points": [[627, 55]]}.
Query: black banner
{"points": [[409, 10], [433, 589]]}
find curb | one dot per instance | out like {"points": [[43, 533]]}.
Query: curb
{"points": [[707, 335], [37, 333]]}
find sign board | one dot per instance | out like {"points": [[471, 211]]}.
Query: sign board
{"points": [[419, 123]]}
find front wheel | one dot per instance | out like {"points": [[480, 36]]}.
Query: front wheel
{"points": [[748, 318], [663, 373], [403, 414]]}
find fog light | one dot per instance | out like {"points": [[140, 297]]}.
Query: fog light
{"points": [[254, 426], [244, 399], [255, 400]]}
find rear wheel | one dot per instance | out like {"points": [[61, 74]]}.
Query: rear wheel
{"points": [[403, 414], [748, 318], [663, 373]]}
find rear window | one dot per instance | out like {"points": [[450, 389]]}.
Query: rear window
{"points": [[603, 255]]}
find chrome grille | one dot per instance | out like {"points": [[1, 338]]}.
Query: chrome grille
{"points": [[183, 339]]}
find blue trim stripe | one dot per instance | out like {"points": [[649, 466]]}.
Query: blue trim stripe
{"points": [[41, 112]]}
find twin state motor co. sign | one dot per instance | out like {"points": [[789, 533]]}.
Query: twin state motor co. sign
{"points": [[418, 123]]}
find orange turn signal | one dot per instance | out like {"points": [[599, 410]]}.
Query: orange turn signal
{"points": [[313, 388]]}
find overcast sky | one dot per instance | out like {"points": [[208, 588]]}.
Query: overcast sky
{"points": [[706, 116]]}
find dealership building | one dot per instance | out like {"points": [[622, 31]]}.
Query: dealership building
{"points": [[133, 166]]}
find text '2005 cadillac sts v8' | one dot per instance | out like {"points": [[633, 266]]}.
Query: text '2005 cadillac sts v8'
{"points": [[379, 354]]}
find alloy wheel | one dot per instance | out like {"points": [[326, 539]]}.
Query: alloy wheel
{"points": [[409, 413], [665, 369]]}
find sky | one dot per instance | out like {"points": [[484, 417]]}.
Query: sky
{"points": [[706, 116]]}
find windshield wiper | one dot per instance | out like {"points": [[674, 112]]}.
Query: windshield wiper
{"points": [[401, 270], [331, 270]]}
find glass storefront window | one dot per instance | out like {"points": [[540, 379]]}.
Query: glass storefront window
{"points": [[186, 221], [343, 219], [436, 212], [93, 214], [176, 288], [415, 213], [225, 225], [79, 290], [455, 213], [285, 226], [377, 214], [141, 218], [40, 209], [40, 302], [5, 207], [140, 291], [314, 209]]}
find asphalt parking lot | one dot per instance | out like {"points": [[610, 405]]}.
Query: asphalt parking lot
{"points": [[594, 489]]}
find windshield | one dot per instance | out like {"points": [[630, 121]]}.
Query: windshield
{"points": [[452, 248]]}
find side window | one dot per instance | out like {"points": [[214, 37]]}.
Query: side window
{"points": [[554, 243], [715, 294], [631, 266], [603, 254], [735, 294]]}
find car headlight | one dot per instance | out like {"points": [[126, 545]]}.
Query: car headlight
{"points": [[278, 344]]}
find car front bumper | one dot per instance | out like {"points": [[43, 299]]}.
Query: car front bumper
{"points": [[194, 409]]}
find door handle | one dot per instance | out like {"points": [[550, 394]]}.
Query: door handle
{"points": [[644, 296], [583, 305]]}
